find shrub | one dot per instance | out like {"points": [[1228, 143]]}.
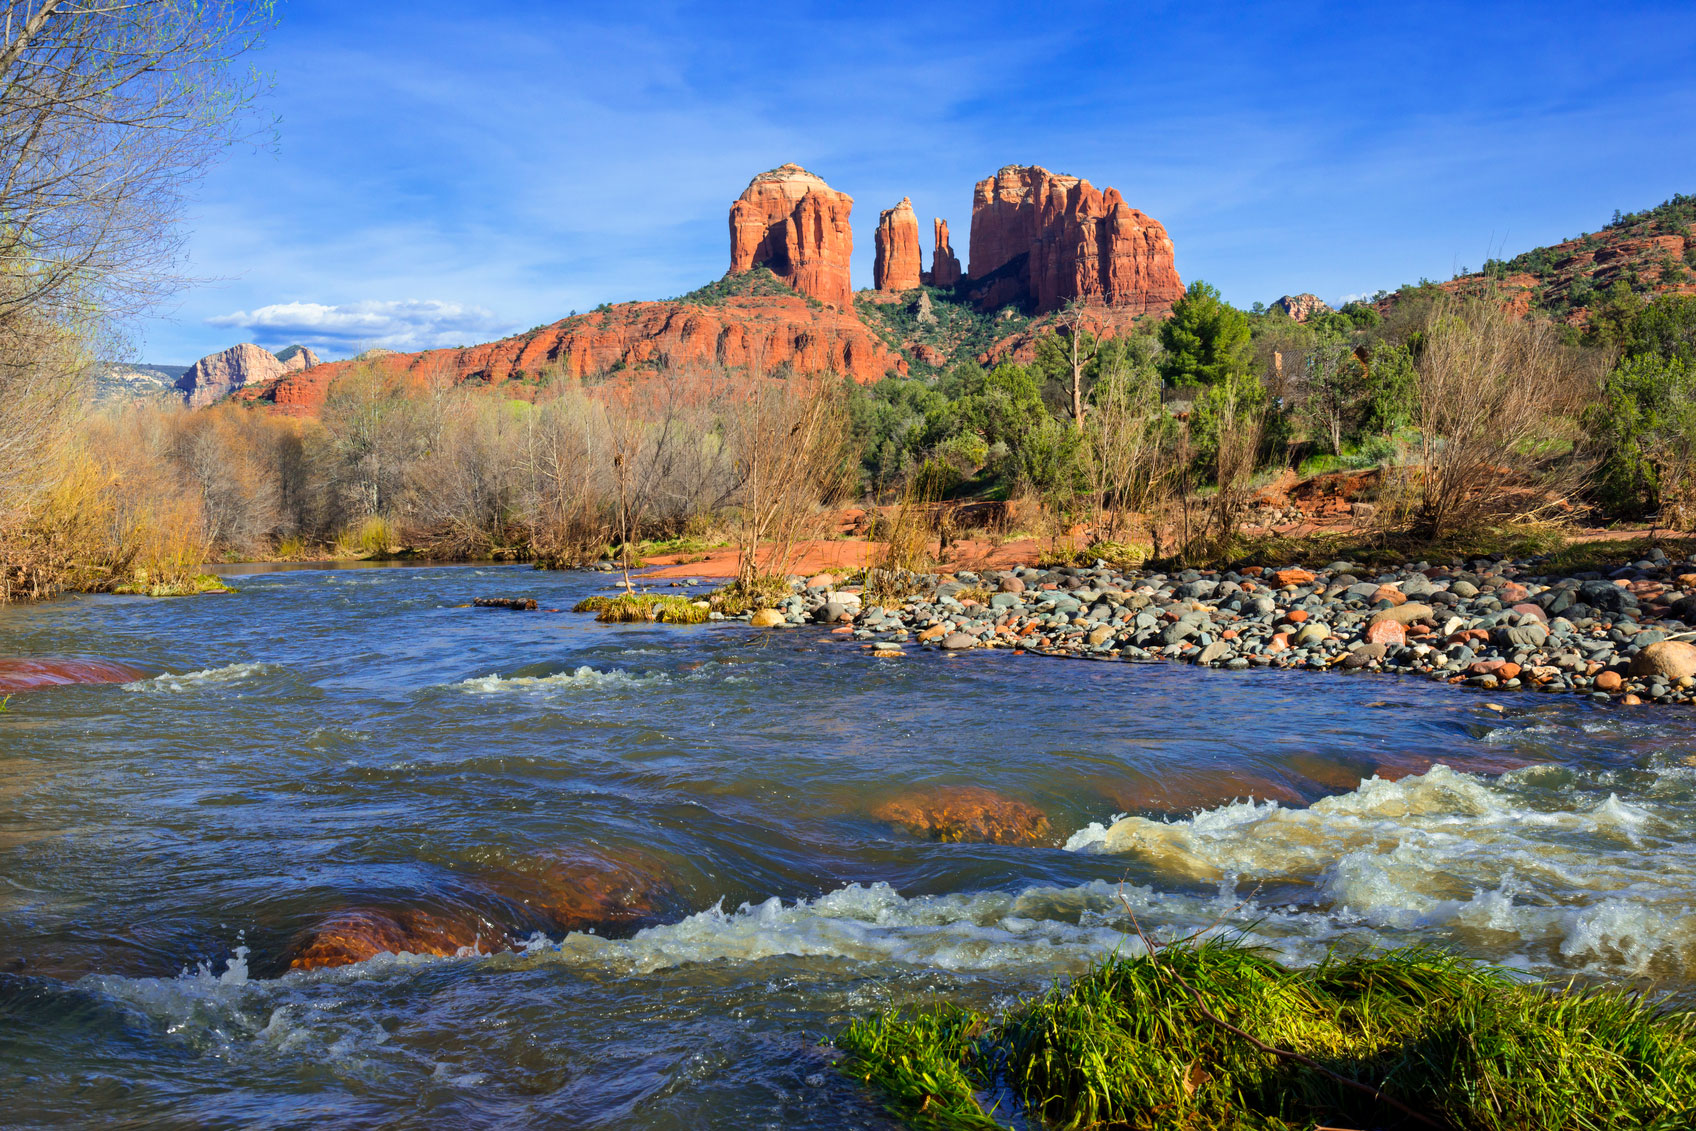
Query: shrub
{"points": [[635, 608]]}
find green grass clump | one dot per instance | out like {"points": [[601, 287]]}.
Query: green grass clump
{"points": [[142, 585], [1219, 1035], [736, 598], [636, 608]]}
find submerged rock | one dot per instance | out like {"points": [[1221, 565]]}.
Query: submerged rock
{"points": [[33, 674], [959, 814]]}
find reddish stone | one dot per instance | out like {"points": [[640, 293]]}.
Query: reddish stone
{"points": [[1631, 701], [1048, 239], [31, 675], [1385, 632], [944, 265], [899, 261], [1228, 634], [958, 814], [790, 221], [1389, 593], [1511, 592], [1608, 681], [1280, 642], [1292, 576], [353, 936], [1296, 616], [1527, 609]]}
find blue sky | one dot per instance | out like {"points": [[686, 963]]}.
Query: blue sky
{"points": [[441, 177]]}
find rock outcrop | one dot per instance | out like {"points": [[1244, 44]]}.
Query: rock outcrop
{"points": [[1040, 239], [791, 222], [296, 358], [217, 375], [1302, 307], [899, 261], [944, 264], [768, 332]]}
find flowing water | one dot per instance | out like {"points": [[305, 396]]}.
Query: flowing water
{"points": [[326, 740]]}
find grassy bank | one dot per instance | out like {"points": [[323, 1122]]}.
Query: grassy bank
{"points": [[1219, 1035]]}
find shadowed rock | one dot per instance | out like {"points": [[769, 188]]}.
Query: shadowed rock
{"points": [[960, 814]]}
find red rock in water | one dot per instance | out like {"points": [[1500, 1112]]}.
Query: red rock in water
{"points": [[899, 261], [768, 331], [790, 221], [944, 264], [32, 675], [1042, 239], [959, 814], [353, 936]]}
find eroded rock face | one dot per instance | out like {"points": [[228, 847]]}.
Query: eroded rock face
{"points": [[789, 221], [771, 331], [898, 263], [1040, 239], [34, 674], [944, 265], [1302, 307], [217, 375], [296, 358], [958, 814]]}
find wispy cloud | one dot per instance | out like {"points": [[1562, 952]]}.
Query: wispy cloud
{"points": [[355, 326]]}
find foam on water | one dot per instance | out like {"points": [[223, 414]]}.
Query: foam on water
{"points": [[1599, 881], [205, 677], [582, 677]]}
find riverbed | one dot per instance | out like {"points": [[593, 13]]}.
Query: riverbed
{"points": [[326, 740]]}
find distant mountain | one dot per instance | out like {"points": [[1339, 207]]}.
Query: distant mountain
{"points": [[136, 381], [1647, 253]]}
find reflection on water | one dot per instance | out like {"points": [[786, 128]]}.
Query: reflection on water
{"points": [[327, 745]]}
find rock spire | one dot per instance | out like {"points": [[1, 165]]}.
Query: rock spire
{"points": [[944, 265], [790, 221], [899, 260]]}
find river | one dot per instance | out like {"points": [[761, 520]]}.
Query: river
{"points": [[333, 739]]}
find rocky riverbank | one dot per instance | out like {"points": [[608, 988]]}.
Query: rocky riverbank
{"points": [[1493, 624]]}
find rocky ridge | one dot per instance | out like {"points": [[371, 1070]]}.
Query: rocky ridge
{"points": [[772, 331], [1301, 307], [1493, 625]]}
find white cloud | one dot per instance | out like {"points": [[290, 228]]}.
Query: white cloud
{"points": [[356, 326]]}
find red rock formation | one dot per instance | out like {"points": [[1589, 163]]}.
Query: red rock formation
{"points": [[1043, 239], [296, 358], [767, 331], [217, 375], [899, 261], [944, 265], [791, 222]]}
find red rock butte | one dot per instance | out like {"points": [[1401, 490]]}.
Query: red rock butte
{"points": [[899, 260], [1041, 239], [792, 223]]}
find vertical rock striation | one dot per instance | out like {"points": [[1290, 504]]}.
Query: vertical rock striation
{"points": [[899, 261], [792, 223], [944, 265], [217, 375], [1040, 240]]}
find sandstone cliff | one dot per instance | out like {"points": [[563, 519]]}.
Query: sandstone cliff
{"points": [[217, 375], [944, 265], [1040, 240], [769, 332], [790, 221], [899, 260], [296, 358]]}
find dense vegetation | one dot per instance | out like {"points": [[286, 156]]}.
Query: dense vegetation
{"points": [[1219, 1036]]}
